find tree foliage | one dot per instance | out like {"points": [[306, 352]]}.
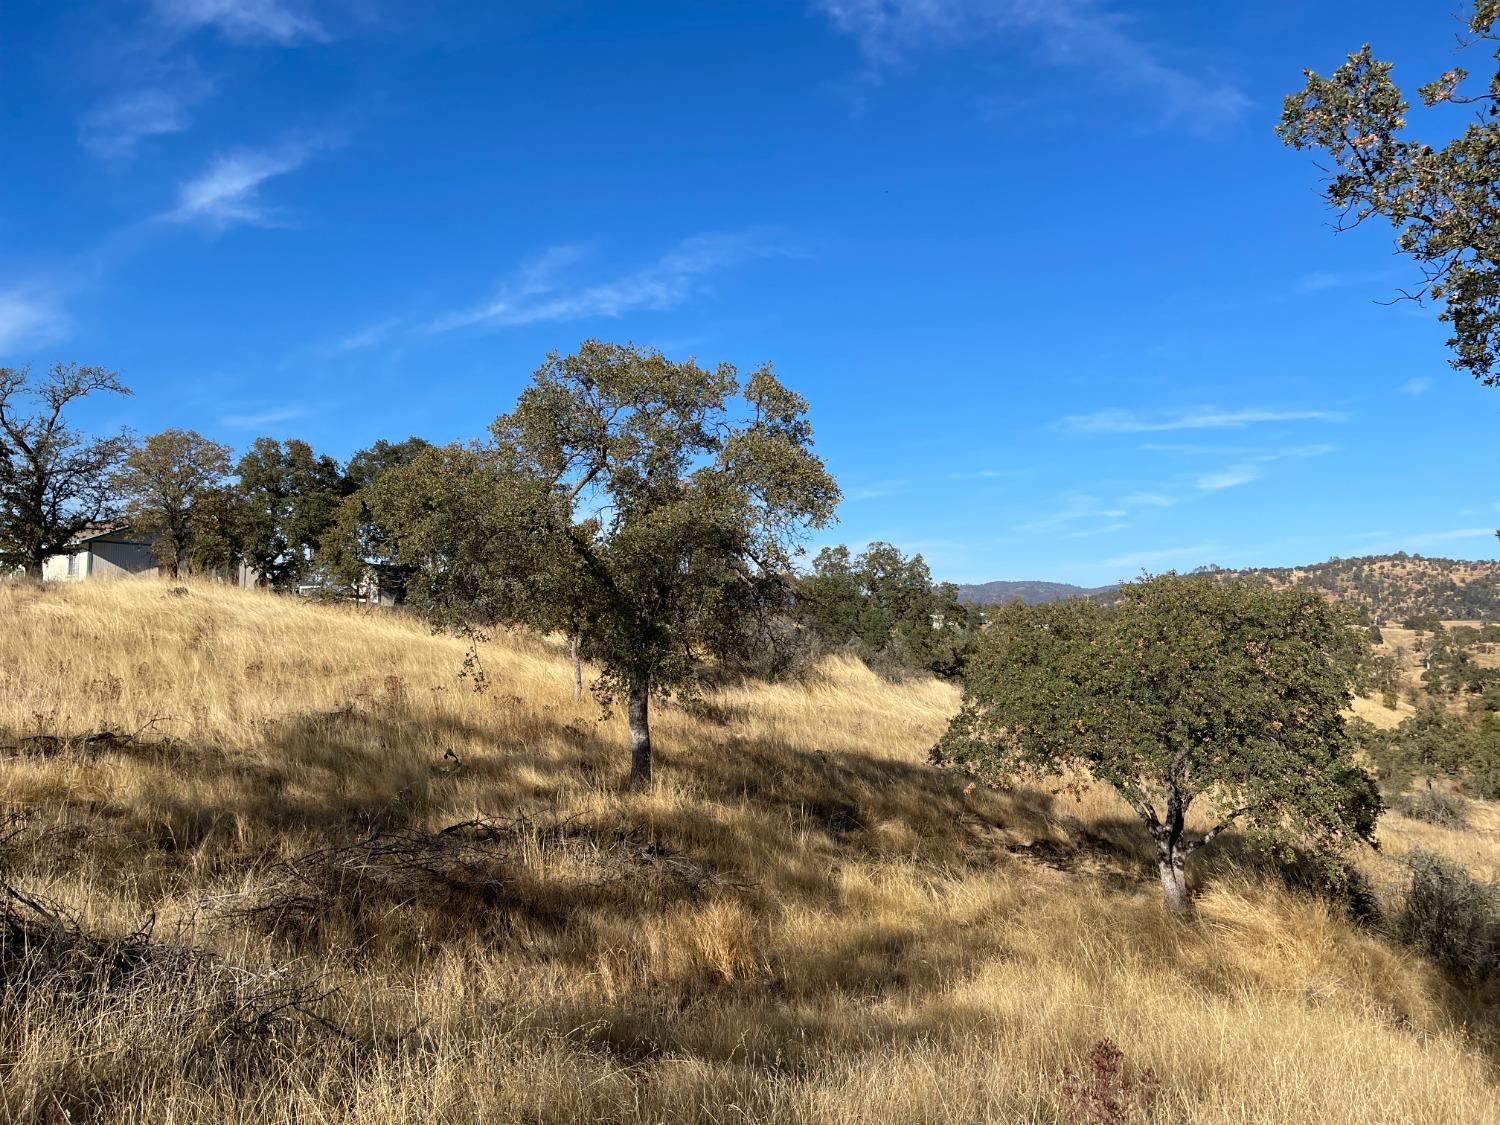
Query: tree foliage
{"points": [[216, 533], [1187, 688], [1461, 747], [288, 496], [359, 546], [649, 507], [54, 480], [1444, 202], [885, 606], [471, 534], [163, 481]]}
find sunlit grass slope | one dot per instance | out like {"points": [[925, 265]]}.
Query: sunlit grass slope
{"points": [[801, 922]]}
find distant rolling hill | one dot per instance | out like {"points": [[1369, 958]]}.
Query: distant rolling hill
{"points": [[1395, 588], [1032, 593], [1391, 588]]}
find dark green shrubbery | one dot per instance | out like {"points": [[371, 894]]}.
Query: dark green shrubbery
{"points": [[1451, 916], [1434, 743], [1447, 810], [883, 607]]}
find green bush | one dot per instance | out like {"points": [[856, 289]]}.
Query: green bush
{"points": [[1451, 916], [1447, 810]]}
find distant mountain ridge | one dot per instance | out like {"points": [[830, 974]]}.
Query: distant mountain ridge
{"points": [[1387, 588], [1400, 587], [1032, 593]]}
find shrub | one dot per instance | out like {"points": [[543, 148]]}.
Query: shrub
{"points": [[1451, 916], [1103, 1092], [1447, 810]]}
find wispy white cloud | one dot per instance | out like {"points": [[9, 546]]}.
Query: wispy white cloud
{"points": [[988, 474], [1318, 281], [1383, 542], [155, 77], [1118, 421], [28, 320], [878, 490], [1240, 452], [262, 418], [1073, 509], [1195, 555], [1074, 33], [1323, 281], [1417, 386], [244, 21], [115, 129], [1431, 537], [1248, 468], [1149, 500], [538, 292], [370, 336], [1229, 478], [1102, 529], [227, 192]]}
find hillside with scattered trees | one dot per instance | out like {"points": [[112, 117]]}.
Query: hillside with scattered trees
{"points": [[1386, 588], [1031, 593], [1400, 587]]}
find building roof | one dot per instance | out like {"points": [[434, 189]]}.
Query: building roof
{"points": [[96, 531]]}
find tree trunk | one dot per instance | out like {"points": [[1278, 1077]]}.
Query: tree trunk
{"points": [[640, 732], [577, 667], [34, 568], [1169, 866]]}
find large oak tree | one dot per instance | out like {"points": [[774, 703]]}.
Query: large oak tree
{"points": [[55, 481], [1188, 689], [648, 507], [164, 481], [288, 498]]}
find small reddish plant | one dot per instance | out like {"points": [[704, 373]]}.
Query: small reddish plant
{"points": [[1103, 1092]]}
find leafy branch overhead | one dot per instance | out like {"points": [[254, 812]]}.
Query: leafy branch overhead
{"points": [[1444, 202]]}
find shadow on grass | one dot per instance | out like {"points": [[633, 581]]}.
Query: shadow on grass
{"points": [[752, 828]]}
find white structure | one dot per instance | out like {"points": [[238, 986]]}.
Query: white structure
{"points": [[102, 552], [117, 552]]}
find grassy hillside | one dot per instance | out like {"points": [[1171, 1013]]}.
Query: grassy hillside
{"points": [[1401, 587], [802, 922], [1388, 587], [1032, 593]]}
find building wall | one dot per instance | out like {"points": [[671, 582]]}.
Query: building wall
{"points": [[116, 559], [55, 568], [101, 558]]}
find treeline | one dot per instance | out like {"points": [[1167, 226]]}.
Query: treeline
{"points": [[650, 510], [1459, 747], [1454, 738], [273, 509], [884, 607], [413, 520]]}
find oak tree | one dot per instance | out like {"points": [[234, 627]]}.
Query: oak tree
{"points": [[1188, 689], [288, 497], [55, 481], [1443, 200], [163, 481], [676, 495], [886, 606], [360, 545]]}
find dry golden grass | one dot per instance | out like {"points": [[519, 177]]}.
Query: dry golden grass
{"points": [[1376, 713], [801, 923]]}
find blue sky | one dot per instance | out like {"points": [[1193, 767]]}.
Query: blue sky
{"points": [[1063, 305]]}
